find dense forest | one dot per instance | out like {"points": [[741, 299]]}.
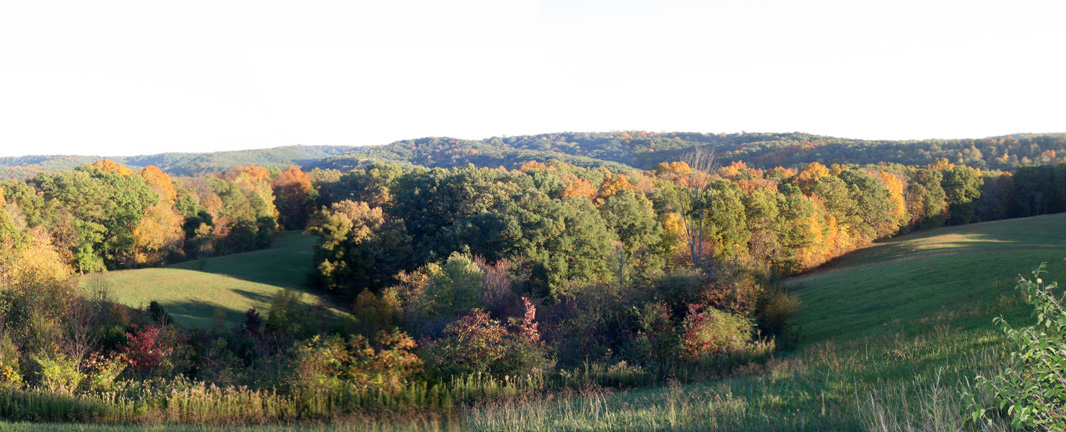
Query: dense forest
{"points": [[461, 279]]}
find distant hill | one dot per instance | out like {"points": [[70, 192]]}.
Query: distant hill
{"points": [[644, 150], [178, 164], [616, 150]]}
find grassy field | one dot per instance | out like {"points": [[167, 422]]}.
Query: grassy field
{"points": [[194, 292], [922, 278]]}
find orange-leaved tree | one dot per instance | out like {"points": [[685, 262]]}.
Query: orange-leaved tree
{"points": [[291, 191]]}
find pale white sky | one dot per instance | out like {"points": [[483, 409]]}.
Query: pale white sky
{"points": [[140, 77]]}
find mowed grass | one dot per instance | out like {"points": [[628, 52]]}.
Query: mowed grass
{"points": [[194, 292], [905, 282]]}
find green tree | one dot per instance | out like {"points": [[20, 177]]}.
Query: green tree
{"points": [[763, 213], [455, 288], [105, 206], [796, 232], [631, 217], [565, 243], [962, 189], [926, 200], [357, 248], [729, 225], [873, 203]]}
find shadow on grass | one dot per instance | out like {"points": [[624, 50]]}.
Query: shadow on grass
{"points": [[259, 297], [191, 314], [200, 314]]}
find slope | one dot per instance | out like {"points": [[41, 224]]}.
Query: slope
{"points": [[897, 283], [891, 337], [194, 292]]}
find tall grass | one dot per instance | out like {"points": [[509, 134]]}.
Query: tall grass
{"points": [[895, 382]]}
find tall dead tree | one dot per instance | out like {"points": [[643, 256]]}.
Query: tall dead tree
{"points": [[695, 202]]}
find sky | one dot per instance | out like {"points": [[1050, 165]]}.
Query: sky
{"points": [[140, 77]]}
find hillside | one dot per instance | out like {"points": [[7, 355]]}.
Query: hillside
{"points": [[895, 284], [644, 150], [178, 164], [192, 291], [891, 336], [615, 150]]}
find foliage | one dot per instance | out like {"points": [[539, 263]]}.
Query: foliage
{"points": [[1033, 386], [477, 344], [292, 190], [59, 373], [658, 340], [386, 365], [290, 315], [145, 349], [453, 289], [358, 248], [102, 372], [707, 331], [498, 271], [158, 313]]}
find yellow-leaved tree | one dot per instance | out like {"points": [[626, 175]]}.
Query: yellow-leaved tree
{"points": [[159, 233], [899, 204]]}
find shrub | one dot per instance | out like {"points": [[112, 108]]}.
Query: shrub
{"points": [[102, 371], [1033, 386], [732, 290], [374, 313], [774, 310], [456, 289], [290, 315], [158, 313], [331, 363], [708, 331], [473, 344], [10, 372], [657, 340], [144, 351], [476, 343], [58, 372], [526, 351]]}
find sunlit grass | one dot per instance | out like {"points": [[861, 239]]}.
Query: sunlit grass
{"points": [[193, 292]]}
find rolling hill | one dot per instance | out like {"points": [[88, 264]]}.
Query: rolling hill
{"points": [[194, 291], [620, 150], [899, 282], [178, 164], [891, 337]]}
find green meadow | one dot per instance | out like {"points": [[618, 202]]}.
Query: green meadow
{"points": [[200, 292]]}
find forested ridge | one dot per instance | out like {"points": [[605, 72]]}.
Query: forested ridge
{"points": [[177, 164], [460, 279], [614, 150], [644, 150]]}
